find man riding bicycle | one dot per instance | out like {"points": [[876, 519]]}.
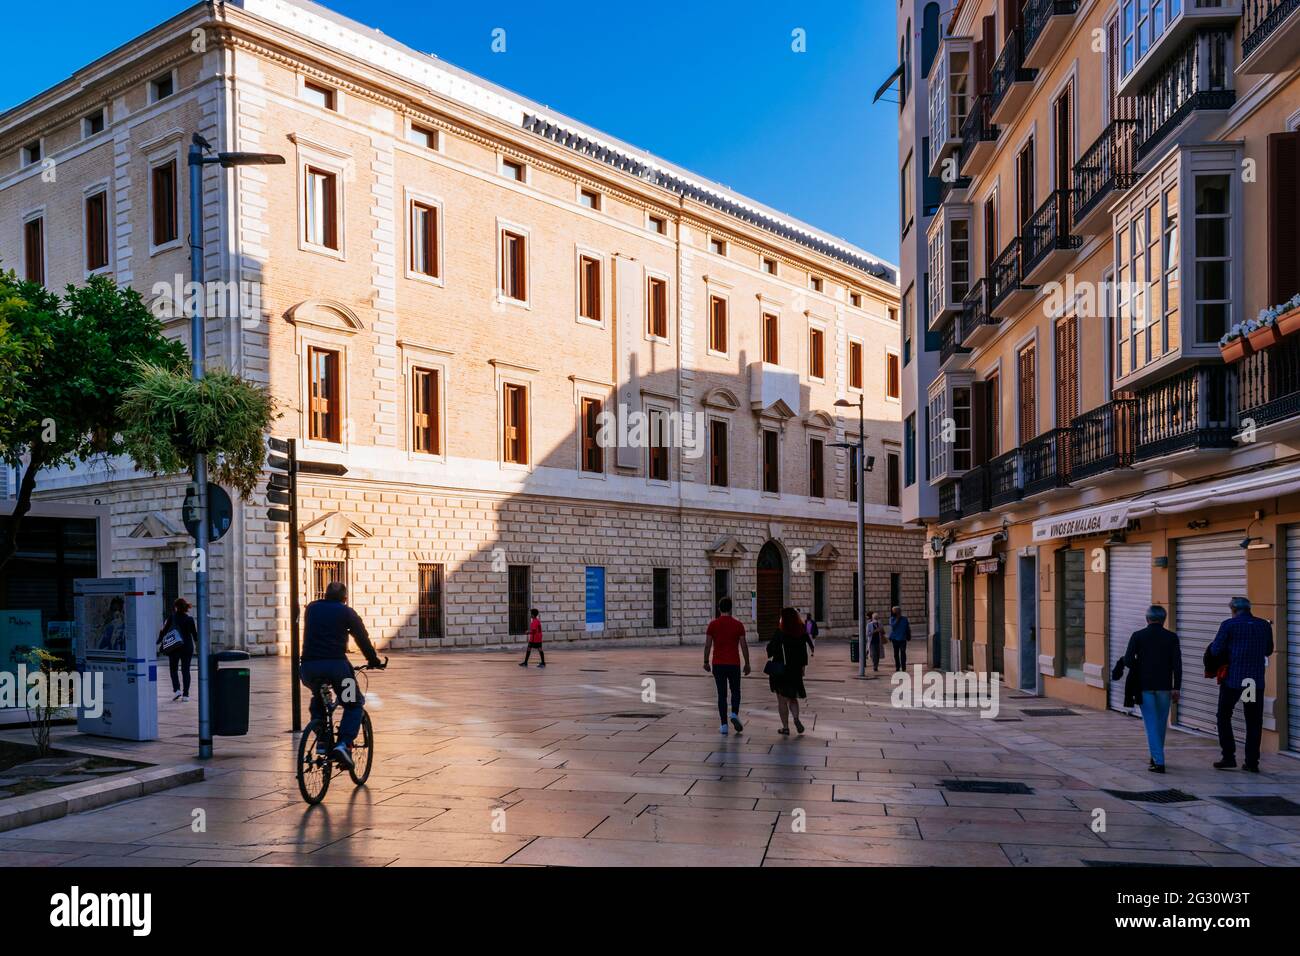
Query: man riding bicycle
{"points": [[325, 661]]}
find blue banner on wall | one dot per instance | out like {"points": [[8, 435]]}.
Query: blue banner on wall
{"points": [[595, 599]]}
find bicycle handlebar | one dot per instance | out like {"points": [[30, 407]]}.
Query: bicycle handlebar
{"points": [[373, 667]]}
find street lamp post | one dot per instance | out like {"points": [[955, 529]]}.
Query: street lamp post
{"points": [[201, 155], [857, 457]]}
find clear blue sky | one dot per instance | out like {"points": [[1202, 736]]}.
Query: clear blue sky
{"points": [[711, 85]]}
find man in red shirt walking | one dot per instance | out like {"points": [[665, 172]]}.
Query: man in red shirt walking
{"points": [[534, 639], [726, 639]]}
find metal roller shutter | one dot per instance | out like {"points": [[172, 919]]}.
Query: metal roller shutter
{"points": [[1129, 596], [1293, 637], [1211, 571], [944, 584]]}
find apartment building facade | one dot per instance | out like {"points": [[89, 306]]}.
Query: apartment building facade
{"points": [[1115, 198], [560, 372]]}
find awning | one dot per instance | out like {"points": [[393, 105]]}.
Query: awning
{"points": [[893, 78], [1099, 520], [971, 549]]}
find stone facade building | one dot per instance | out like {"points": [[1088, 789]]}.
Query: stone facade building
{"points": [[448, 289]]}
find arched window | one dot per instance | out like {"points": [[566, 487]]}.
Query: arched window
{"points": [[907, 62], [929, 37]]}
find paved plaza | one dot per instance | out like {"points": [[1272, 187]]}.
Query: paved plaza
{"points": [[481, 762]]}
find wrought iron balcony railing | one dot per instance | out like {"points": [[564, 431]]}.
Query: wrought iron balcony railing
{"points": [[1009, 69], [1106, 167], [949, 503], [1045, 461], [1260, 19], [975, 318], [1103, 439], [978, 128], [1039, 12], [1197, 77], [1268, 383], [949, 344], [1194, 409], [1005, 478], [1048, 229], [1006, 275], [974, 495]]}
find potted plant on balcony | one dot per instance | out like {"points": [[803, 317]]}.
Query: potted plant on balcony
{"points": [[1266, 329]]}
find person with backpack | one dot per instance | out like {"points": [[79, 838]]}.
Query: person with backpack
{"points": [[179, 639], [534, 639], [787, 656]]}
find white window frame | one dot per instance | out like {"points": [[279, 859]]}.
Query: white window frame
{"points": [[161, 157], [821, 326], [411, 198], [713, 288], [318, 338], [585, 252], [110, 246], [102, 112], [668, 306], [330, 160], [583, 389], [815, 434], [892, 399], [527, 180], [29, 216], [728, 422], [152, 85], [409, 128], [598, 202], [304, 81], [849, 341], [510, 374], [435, 360], [23, 161], [503, 226], [651, 410]]}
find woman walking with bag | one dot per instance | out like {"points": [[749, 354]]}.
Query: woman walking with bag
{"points": [[787, 655], [178, 639]]}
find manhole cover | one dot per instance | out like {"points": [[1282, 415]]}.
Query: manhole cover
{"points": [[1264, 806], [986, 786], [1049, 712], [1153, 796]]}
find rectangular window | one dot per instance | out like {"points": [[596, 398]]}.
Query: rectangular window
{"points": [[1213, 257], [424, 239], [771, 462], [892, 499], [769, 266], [593, 456], [326, 402], [855, 365], [719, 467], [163, 197], [325, 573], [170, 572], [816, 353], [34, 250], [96, 232], [659, 225], [718, 246], [816, 468], [718, 324], [909, 309], [161, 88], [771, 339], [819, 597], [430, 610], [909, 451], [661, 598], [514, 404], [855, 300], [817, 283], [589, 198], [426, 431], [513, 169], [514, 269], [893, 382], [1026, 364], [422, 136], [657, 467], [321, 209], [318, 95], [657, 307], [905, 191], [721, 585], [32, 153], [589, 288], [93, 124], [518, 596], [895, 590]]}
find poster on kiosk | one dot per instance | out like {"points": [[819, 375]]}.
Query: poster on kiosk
{"points": [[116, 635]]}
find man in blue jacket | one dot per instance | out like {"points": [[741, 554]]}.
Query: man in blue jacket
{"points": [[1247, 643], [900, 632], [327, 625]]}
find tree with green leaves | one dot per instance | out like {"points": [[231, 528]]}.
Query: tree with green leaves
{"points": [[99, 378]]}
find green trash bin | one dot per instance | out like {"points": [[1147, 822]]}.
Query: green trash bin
{"points": [[853, 650], [230, 693]]}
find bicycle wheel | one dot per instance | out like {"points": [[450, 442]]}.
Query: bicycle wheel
{"points": [[314, 769], [363, 752]]}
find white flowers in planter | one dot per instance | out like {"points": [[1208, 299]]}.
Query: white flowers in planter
{"points": [[1266, 318]]}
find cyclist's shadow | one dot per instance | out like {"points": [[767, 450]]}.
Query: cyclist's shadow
{"points": [[323, 824]]}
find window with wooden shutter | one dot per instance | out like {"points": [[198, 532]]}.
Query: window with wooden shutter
{"points": [[657, 307], [321, 211], [514, 401], [430, 604], [1026, 364], [1025, 207], [893, 381], [593, 456], [771, 461], [518, 596], [1283, 217], [771, 339], [718, 324], [657, 466], [426, 431], [816, 468], [893, 485], [96, 232], [163, 196], [816, 353], [326, 412], [424, 239], [855, 365], [662, 580], [34, 251], [718, 454], [589, 288], [514, 278], [992, 417]]}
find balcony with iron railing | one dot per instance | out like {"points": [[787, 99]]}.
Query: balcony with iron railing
{"points": [[1270, 31], [1005, 479], [974, 494], [976, 324], [1161, 30], [951, 351], [1011, 81], [1047, 24], [979, 137], [1105, 169], [1007, 291], [1048, 243], [1045, 461], [1192, 410], [1268, 384], [1186, 97], [949, 503], [1103, 440]]}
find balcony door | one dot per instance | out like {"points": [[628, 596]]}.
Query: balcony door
{"points": [[1067, 384], [1026, 366], [1063, 136], [991, 250], [1025, 185]]}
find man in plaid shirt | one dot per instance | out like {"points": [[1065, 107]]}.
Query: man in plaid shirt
{"points": [[1247, 642]]}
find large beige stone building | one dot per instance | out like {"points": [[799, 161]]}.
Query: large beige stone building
{"points": [[449, 289], [1103, 191]]}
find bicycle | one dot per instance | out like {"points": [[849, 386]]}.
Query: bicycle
{"points": [[316, 762]]}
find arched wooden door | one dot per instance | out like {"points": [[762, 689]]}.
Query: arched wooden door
{"points": [[771, 590]]}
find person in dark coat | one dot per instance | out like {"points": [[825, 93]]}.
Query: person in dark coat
{"points": [[1155, 658], [1245, 642], [789, 649], [179, 656], [900, 632]]}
